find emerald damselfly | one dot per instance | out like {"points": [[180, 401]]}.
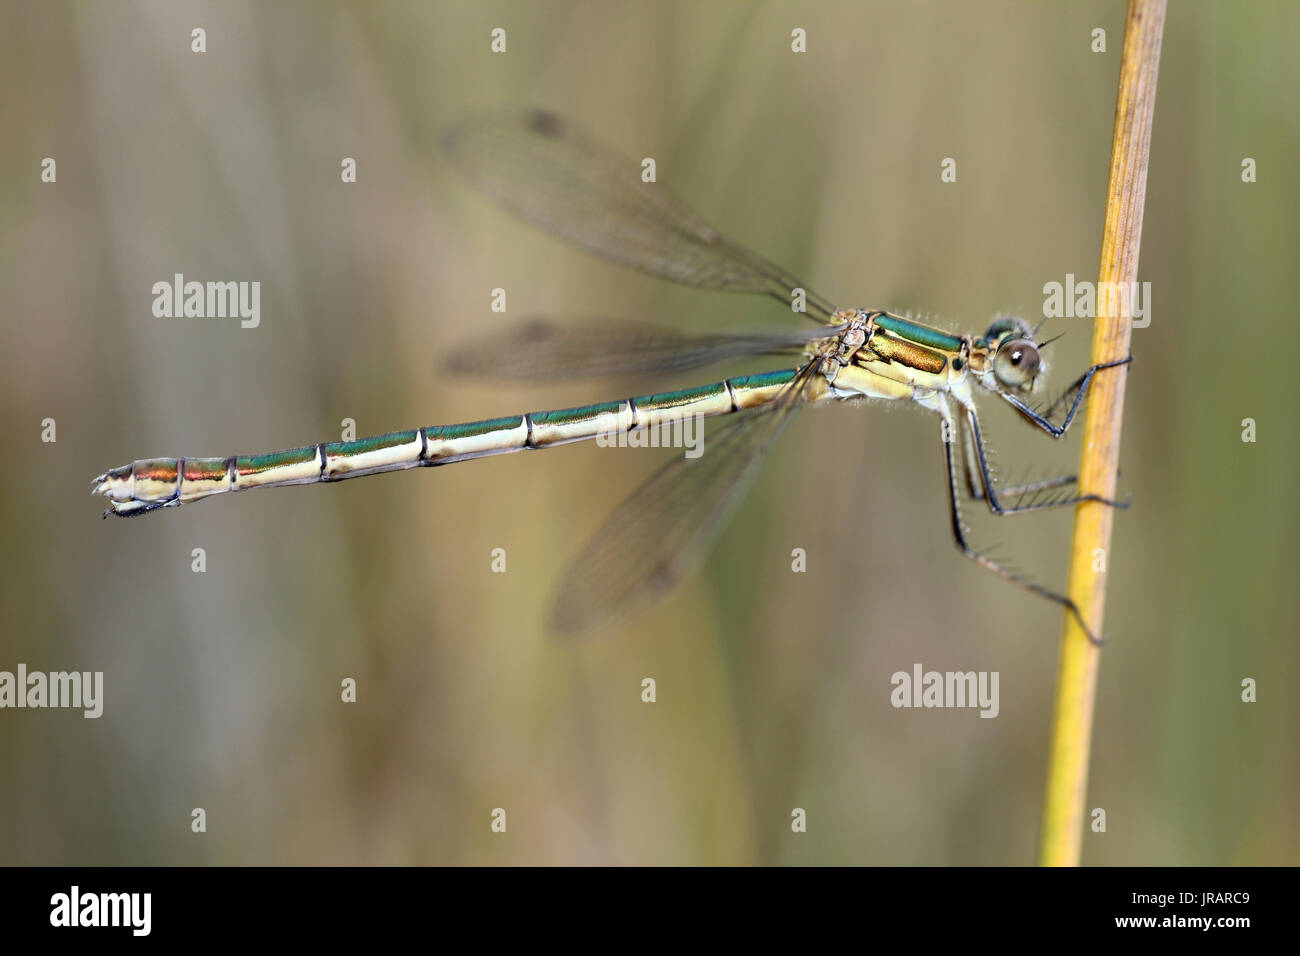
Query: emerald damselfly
{"points": [[555, 175]]}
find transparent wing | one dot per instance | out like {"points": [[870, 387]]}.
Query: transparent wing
{"points": [[652, 539], [556, 176], [540, 349]]}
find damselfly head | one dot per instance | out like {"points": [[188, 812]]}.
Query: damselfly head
{"points": [[1015, 354]]}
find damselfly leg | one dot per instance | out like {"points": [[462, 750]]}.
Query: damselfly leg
{"points": [[1078, 389], [983, 560], [976, 459], [990, 495], [980, 482]]}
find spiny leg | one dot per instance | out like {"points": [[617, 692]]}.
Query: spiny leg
{"points": [[959, 538], [1046, 484], [975, 465], [991, 496], [970, 465], [1078, 385], [1078, 390], [1043, 484], [971, 468]]}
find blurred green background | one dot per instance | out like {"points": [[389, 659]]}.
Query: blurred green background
{"points": [[773, 687]]}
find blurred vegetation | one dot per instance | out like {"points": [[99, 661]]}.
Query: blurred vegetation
{"points": [[773, 688]]}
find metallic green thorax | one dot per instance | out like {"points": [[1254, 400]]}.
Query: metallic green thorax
{"points": [[918, 333]]}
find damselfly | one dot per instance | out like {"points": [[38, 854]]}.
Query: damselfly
{"points": [[559, 178]]}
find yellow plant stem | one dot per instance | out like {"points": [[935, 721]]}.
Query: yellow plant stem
{"points": [[1067, 778]]}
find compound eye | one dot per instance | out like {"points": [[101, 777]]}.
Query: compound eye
{"points": [[1007, 325], [1016, 363]]}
